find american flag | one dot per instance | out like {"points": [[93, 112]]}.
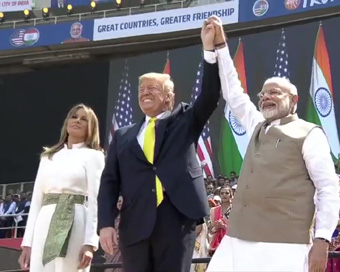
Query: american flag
{"points": [[122, 115], [17, 38], [281, 63], [204, 149]]}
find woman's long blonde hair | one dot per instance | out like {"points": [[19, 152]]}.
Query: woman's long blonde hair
{"points": [[92, 140]]}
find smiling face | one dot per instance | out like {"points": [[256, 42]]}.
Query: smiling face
{"points": [[76, 30], [155, 93], [152, 99], [276, 101], [77, 125]]}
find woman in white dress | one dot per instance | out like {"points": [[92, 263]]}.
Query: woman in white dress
{"points": [[61, 231]]}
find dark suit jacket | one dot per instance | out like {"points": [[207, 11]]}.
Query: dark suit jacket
{"points": [[127, 171], [21, 206]]}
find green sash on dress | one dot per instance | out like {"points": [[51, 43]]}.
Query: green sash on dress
{"points": [[58, 236]]}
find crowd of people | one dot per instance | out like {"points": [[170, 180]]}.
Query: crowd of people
{"points": [[13, 212]]}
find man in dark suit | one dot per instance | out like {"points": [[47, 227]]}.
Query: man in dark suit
{"points": [[163, 191], [20, 210]]}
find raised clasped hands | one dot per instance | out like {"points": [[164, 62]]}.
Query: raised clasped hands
{"points": [[208, 35], [212, 34]]}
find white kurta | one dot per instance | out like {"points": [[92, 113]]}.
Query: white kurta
{"points": [[71, 171], [238, 255]]}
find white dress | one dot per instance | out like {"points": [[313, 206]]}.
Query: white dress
{"points": [[71, 171]]}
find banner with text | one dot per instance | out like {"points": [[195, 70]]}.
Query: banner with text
{"points": [[15, 5], [254, 10], [163, 21], [43, 35]]}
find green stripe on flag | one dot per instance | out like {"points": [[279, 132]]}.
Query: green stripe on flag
{"points": [[312, 115], [229, 156]]}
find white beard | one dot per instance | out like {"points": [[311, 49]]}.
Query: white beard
{"points": [[269, 114], [280, 111]]}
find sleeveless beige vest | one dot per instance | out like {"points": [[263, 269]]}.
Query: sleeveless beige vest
{"points": [[274, 198]]}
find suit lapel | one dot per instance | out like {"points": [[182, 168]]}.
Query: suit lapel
{"points": [[135, 147], [161, 128], [160, 131]]}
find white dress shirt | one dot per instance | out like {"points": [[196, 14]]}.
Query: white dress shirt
{"points": [[142, 131], [11, 209], [315, 150]]}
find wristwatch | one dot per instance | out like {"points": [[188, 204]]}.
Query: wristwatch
{"points": [[322, 239]]}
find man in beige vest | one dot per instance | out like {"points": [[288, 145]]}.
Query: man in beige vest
{"points": [[273, 215]]}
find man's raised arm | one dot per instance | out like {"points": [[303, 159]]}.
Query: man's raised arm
{"points": [[233, 93]]}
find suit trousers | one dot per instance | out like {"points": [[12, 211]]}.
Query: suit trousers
{"points": [[168, 249]]}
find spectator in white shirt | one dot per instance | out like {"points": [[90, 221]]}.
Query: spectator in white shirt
{"points": [[9, 207]]}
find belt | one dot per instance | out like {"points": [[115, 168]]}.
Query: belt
{"points": [[59, 231]]}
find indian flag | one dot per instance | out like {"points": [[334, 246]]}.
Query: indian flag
{"points": [[167, 66], [321, 103], [233, 139], [31, 36]]}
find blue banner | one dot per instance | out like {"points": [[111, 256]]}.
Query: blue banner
{"points": [[43, 35], [253, 10]]}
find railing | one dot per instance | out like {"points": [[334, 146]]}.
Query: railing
{"points": [[15, 227], [17, 188], [96, 267]]}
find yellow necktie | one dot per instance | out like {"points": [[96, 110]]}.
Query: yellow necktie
{"points": [[149, 150]]}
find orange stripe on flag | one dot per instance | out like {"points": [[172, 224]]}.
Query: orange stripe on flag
{"points": [[167, 67], [240, 65], [322, 58]]}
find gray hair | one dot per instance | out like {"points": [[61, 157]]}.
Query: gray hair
{"points": [[286, 85], [283, 82]]}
